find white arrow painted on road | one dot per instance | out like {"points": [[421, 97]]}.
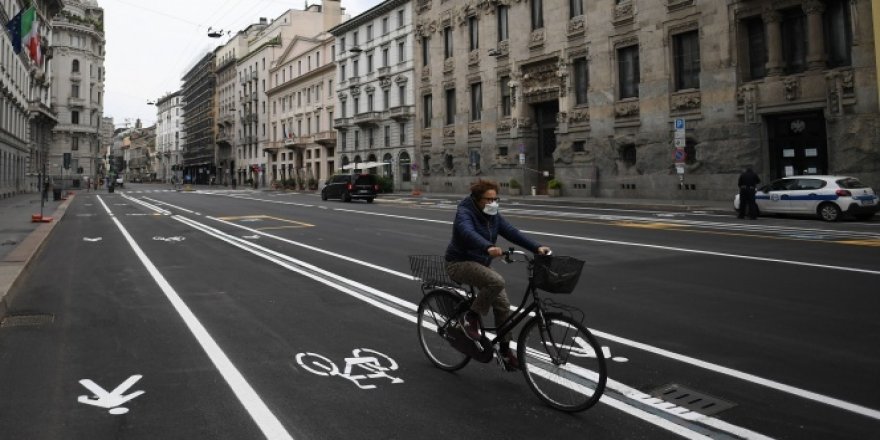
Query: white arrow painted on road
{"points": [[92, 239], [112, 400], [251, 237]]}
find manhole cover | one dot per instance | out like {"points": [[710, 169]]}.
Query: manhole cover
{"points": [[27, 320], [692, 400]]}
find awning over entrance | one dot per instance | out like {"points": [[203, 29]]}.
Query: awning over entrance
{"points": [[363, 165]]}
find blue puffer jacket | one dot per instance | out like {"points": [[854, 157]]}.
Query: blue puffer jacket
{"points": [[474, 232]]}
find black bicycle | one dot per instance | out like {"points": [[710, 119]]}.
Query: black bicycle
{"points": [[559, 357]]}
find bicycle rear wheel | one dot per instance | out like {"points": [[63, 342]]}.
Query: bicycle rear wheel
{"points": [[563, 363], [434, 312]]}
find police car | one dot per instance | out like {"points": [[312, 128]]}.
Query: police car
{"points": [[825, 196]]}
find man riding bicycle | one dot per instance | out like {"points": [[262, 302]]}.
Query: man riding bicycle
{"points": [[470, 252]]}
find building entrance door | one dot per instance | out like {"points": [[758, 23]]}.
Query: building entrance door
{"points": [[545, 120], [797, 144]]}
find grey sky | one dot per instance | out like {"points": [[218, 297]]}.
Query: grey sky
{"points": [[151, 44]]}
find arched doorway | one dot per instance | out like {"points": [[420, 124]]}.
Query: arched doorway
{"points": [[386, 169], [372, 159], [405, 171]]}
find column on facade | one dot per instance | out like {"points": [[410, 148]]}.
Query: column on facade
{"points": [[517, 109], [773, 21], [815, 34]]}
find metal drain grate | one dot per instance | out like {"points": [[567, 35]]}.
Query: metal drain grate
{"points": [[692, 400], [27, 320]]}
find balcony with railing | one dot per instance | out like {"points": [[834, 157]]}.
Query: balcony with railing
{"points": [[74, 101], [299, 141], [326, 138], [401, 112], [342, 123], [368, 118], [272, 147]]}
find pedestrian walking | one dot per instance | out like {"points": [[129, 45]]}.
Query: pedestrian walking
{"points": [[748, 185]]}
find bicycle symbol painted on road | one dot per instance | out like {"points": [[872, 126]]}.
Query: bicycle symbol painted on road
{"points": [[371, 364]]}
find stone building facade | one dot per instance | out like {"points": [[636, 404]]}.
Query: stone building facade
{"points": [[225, 104], [787, 86], [301, 103], [26, 117], [301, 108], [77, 90], [169, 137], [375, 93], [255, 153]]}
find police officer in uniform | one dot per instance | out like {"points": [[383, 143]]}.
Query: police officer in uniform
{"points": [[748, 185]]}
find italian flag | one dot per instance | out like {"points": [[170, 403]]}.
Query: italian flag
{"points": [[30, 35]]}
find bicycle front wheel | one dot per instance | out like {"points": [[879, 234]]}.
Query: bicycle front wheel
{"points": [[562, 362], [436, 309]]}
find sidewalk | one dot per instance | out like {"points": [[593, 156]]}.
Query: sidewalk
{"points": [[20, 238]]}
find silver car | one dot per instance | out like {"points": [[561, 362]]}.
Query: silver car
{"points": [[825, 196]]}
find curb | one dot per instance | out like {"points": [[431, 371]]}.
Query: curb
{"points": [[16, 261]]}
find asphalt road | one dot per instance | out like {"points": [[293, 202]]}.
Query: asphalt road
{"points": [[220, 307]]}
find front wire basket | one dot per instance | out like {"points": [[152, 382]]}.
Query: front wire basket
{"points": [[430, 270], [556, 274]]}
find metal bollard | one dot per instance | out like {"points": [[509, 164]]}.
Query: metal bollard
{"points": [[534, 190]]}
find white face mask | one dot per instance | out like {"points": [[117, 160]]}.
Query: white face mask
{"points": [[491, 208]]}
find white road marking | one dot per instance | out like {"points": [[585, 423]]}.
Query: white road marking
{"points": [[333, 280], [645, 245], [831, 401], [828, 400], [92, 239], [265, 420], [112, 399]]}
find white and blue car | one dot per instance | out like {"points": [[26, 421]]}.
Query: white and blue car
{"points": [[825, 196]]}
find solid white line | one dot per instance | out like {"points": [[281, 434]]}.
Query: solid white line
{"points": [[315, 249], [278, 258], [828, 400], [800, 392], [712, 253], [267, 422], [644, 245], [291, 264], [159, 202], [838, 403]]}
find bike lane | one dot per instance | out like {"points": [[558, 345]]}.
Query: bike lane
{"points": [[89, 332], [280, 329]]}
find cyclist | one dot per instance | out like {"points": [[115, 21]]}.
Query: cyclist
{"points": [[470, 252]]}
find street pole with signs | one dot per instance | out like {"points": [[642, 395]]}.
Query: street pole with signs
{"points": [[679, 154]]}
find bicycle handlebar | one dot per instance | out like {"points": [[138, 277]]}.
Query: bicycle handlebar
{"points": [[506, 255]]}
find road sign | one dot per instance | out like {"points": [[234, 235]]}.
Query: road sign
{"points": [[679, 124], [522, 158], [679, 142], [680, 155], [679, 168]]}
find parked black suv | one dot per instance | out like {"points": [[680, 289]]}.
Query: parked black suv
{"points": [[351, 186]]}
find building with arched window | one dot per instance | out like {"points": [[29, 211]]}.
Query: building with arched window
{"points": [[77, 91], [374, 90], [588, 93], [26, 117]]}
